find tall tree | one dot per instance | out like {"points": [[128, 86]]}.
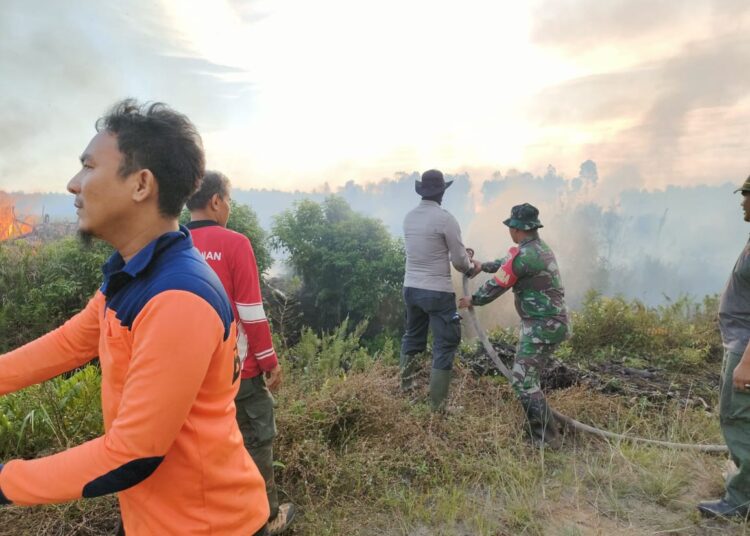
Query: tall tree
{"points": [[348, 263]]}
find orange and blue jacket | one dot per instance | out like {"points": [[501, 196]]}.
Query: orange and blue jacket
{"points": [[164, 333]]}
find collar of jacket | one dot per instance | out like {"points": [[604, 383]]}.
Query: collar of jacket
{"points": [[197, 224], [117, 272]]}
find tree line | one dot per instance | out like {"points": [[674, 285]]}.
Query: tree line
{"points": [[341, 264]]}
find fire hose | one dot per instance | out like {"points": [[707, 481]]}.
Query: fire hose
{"points": [[569, 421]]}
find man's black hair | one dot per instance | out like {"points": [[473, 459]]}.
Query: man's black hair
{"points": [[153, 136], [213, 183]]}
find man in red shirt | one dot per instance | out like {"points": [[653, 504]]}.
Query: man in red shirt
{"points": [[231, 256]]}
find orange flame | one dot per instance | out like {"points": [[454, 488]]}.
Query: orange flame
{"points": [[10, 225]]}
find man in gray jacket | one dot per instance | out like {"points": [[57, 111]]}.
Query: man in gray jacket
{"points": [[433, 242], [734, 390]]}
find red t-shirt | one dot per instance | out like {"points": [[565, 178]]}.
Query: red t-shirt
{"points": [[232, 258]]}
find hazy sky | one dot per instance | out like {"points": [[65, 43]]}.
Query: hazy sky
{"points": [[294, 93]]}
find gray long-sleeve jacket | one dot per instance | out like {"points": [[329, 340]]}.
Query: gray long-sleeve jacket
{"points": [[734, 308], [433, 241]]}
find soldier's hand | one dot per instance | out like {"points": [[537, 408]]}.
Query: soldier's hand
{"points": [[274, 378], [741, 376], [465, 303]]}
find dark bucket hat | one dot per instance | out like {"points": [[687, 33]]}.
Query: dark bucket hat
{"points": [[524, 217], [432, 183], [745, 186]]}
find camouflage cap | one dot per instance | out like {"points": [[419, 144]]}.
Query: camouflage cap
{"points": [[524, 217], [745, 186]]}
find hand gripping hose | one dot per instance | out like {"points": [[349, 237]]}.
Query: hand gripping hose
{"points": [[568, 421]]}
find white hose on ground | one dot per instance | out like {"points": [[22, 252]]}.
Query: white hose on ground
{"points": [[568, 421]]}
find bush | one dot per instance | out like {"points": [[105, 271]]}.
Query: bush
{"points": [[331, 353], [681, 334], [349, 265], [51, 416], [43, 284]]}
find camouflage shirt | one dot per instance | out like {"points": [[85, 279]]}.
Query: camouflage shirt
{"points": [[530, 269]]}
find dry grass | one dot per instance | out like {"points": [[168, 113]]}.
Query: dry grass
{"points": [[361, 459], [81, 518]]}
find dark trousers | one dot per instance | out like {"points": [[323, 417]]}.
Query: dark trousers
{"points": [[258, 426], [436, 311]]}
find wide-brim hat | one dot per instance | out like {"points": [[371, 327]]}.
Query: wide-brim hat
{"points": [[745, 186], [432, 183], [524, 217]]}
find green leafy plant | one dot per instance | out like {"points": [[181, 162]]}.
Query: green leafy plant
{"points": [[51, 416], [43, 284], [677, 335], [331, 353], [349, 265]]}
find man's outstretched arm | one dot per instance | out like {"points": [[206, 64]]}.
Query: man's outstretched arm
{"points": [[498, 285], [488, 292], [492, 266], [175, 336]]}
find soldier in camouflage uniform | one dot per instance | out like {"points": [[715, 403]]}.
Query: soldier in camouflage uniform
{"points": [[531, 271]]}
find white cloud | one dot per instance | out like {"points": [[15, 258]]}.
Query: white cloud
{"points": [[292, 93]]}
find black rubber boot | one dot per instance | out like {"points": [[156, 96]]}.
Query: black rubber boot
{"points": [[541, 425], [722, 508]]}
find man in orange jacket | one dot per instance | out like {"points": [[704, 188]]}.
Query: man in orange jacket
{"points": [[163, 330], [231, 256]]}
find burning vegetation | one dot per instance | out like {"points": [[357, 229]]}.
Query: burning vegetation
{"points": [[10, 225], [30, 228]]}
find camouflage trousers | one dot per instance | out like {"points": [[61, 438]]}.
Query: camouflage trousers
{"points": [[531, 358], [538, 341]]}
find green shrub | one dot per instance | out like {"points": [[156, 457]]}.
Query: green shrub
{"points": [[502, 335], [349, 265], [681, 334], [42, 285], [51, 416], [331, 353]]}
